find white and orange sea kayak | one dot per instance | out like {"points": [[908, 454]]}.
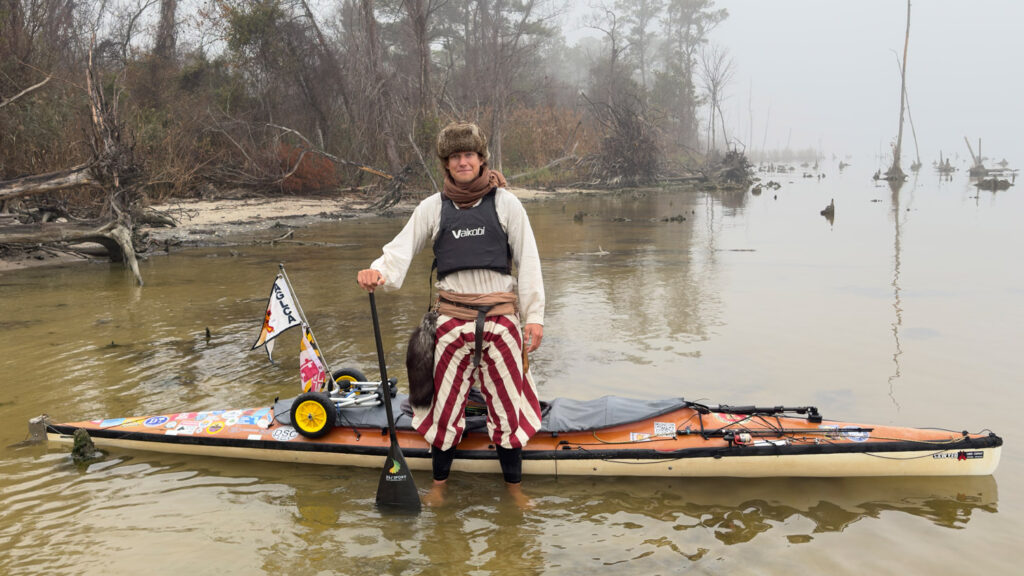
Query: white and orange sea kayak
{"points": [[610, 436]]}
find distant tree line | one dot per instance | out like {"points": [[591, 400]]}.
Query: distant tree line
{"points": [[302, 95]]}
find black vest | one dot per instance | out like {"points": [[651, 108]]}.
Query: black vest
{"points": [[471, 238]]}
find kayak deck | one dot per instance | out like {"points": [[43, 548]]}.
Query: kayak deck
{"points": [[660, 438]]}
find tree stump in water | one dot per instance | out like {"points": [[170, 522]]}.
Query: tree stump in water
{"points": [[83, 449]]}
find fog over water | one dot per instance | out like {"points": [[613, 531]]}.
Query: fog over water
{"points": [[824, 75]]}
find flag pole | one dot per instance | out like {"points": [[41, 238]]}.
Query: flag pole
{"points": [[295, 298]]}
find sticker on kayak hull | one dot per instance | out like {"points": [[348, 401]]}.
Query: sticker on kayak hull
{"points": [[856, 434], [284, 434], [960, 456], [664, 429], [155, 421], [852, 433], [731, 418], [771, 442]]}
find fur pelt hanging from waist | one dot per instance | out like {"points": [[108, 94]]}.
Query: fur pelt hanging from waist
{"points": [[419, 361]]}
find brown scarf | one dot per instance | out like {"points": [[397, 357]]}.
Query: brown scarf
{"points": [[465, 195]]}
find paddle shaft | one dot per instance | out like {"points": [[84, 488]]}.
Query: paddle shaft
{"points": [[385, 384]]}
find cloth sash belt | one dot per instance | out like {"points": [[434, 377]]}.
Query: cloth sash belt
{"points": [[476, 307]]}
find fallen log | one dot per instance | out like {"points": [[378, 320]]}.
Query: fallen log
{"points": [[116, 238], [681, 179], [50, 182]]}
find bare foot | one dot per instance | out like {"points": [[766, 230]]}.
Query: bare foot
{"points": [[521, 499], [435, 497]]}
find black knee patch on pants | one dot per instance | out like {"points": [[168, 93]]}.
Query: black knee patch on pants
{"points": [[511, 464], [442, 462]]}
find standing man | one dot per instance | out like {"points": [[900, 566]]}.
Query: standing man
{"points": [[488, 280]]}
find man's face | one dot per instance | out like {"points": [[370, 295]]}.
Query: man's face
{"points": [[464, 166]]}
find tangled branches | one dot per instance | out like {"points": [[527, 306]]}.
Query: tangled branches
{"points": [[629, 153]]}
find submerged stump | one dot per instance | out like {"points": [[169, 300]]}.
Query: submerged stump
{"points": [[83, 450]]}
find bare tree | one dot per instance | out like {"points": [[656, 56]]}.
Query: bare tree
{"points": [[609, 76], [895, 171], [716, 71], [418, 15]]}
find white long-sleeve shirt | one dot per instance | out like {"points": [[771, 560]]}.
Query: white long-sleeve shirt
{"points": [[423, 226]]}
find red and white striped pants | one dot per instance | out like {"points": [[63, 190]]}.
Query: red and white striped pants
{"points": [[513, 410]]}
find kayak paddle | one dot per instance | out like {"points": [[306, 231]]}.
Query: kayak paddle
{"points": [[396, 490]]}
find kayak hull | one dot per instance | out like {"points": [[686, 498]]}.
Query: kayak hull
{"points": [[682, 443], [920, 463]]}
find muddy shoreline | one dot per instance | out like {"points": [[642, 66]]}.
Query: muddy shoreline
{"points": [[237, 221]]}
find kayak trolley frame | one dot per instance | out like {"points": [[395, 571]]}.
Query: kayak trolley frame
{"points": [[314, 414]]}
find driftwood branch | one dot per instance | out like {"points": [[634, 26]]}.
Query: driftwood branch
{"points": [[329, 156], [423, 163], [552, 164], [7, 101], [50, 182]]}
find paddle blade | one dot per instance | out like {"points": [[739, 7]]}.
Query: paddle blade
{"points": [[396, 491]]}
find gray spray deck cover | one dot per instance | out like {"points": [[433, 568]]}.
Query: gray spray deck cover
{"points": [[559, 415]]}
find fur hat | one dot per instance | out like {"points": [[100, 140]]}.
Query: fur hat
{"points": [[461, 137]]}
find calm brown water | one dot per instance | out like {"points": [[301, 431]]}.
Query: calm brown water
{"points": [[906, 310]]}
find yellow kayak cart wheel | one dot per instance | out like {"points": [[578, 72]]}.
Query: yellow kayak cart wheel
{"points": [[313, 414], [344, 378]]}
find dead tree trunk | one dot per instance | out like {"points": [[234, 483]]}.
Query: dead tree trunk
{"points": [[896, 171]]}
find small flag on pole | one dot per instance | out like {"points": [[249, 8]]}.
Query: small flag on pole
{"points": [[311, 364], [282, 314]]}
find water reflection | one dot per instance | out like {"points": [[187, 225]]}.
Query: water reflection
{"points": [[740, 510], [895, 186], [629, 281], [312, 519]]}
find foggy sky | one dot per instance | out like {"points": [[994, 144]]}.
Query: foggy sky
{"points": [[827, 71]]}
